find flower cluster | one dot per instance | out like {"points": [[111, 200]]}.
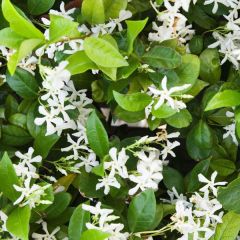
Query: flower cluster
{"points": [[199, 215], [150, 163], [173, 24], [31, 193], [228, 38], [103, 220]]}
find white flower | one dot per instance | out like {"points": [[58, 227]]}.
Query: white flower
{"points": [[75, 147], [210, 184], [75, 45], [25, 168], [168, 149], [231, 128], [46, 235], [107, 182], [3, 221], [118, 163], [29, 64], [165, 95], [50, 118], [88, 161], [63, 12], [228, 3], [31, 195], [149, 171]]}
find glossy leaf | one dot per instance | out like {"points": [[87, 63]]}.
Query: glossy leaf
{"points": [[18, 23], [9, 177], [18, 222], [134, 102], [103, 53], [226, 98], [162, 57], [94, 234], [37, 7], [78, 222], [141, 212], [97, 135]]}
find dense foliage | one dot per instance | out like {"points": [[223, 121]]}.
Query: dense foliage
{"points": [[119, 119]]}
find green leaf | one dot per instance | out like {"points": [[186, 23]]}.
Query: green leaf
{"points": [[18, 23], [18, 119], [10, 39], [94, 234], [130, 117], [180, 119], [224, 167], [77, 224], [24, 50], [162, 57], [43, 144], [229, 196], [188, 71], [226, 98], [134, 102], [164, 111], [86, 184], [141, 212], [196, 44], [229, 228], [113, 8], [18, 222], [97, 135], [62, 27], [24, 84], [192, 178], [8, 178], [172, 178], [61, 202], [79, 62], [199, 141], [210, 66], [103, 53], [37, 7], [93, 11], [14, 136], [134, 28]]}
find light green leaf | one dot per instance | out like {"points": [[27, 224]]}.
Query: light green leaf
{"points": [[141, 212], [10, 39], [62, 27], [79, 62], [8, 178], [164, 111], [18, 222], [134, 102], [112, 8], [188, 71], [94, 234], [77, 224], [180, 119], [18, 23], [103, 53], [226, 98], [93, 11], [37, 7], [24, 84], [134, 28], [162, 57], [229, 228], [24, 50], [97, 135]]}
